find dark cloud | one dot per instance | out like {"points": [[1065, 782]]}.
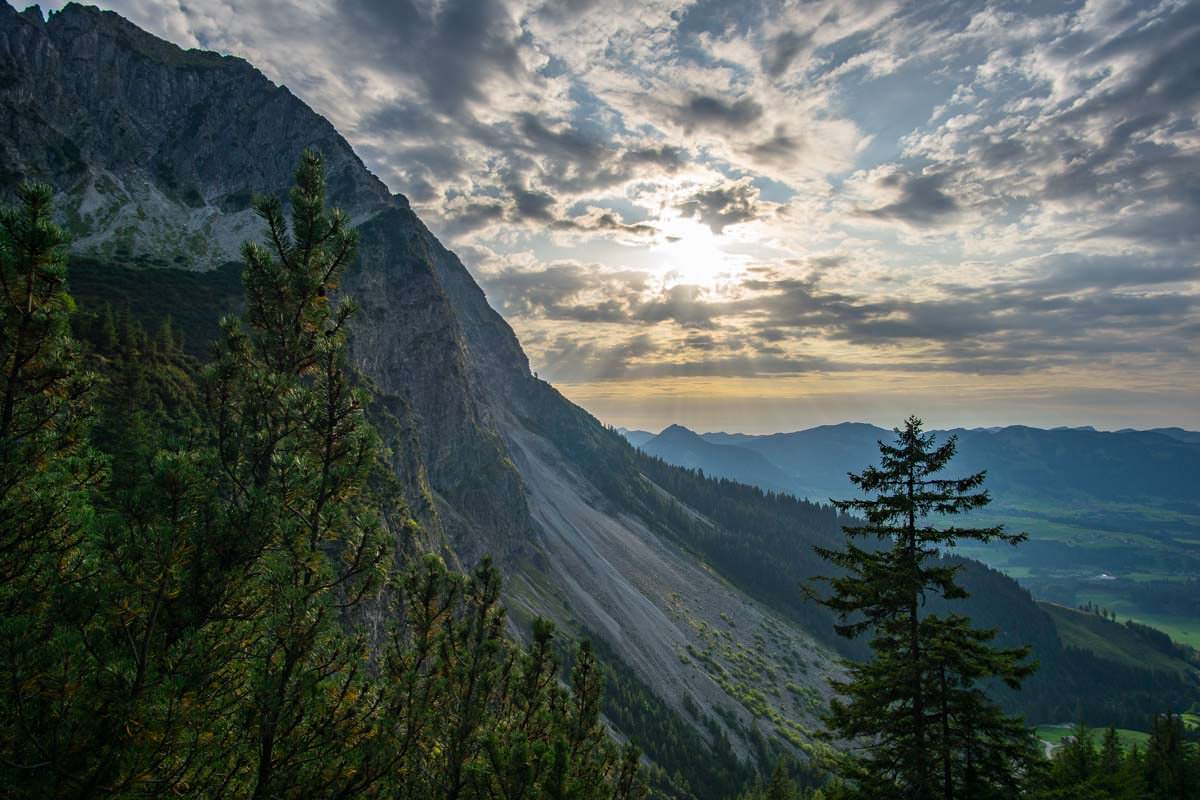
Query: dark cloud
{"points": [[700, 341], [781, 148], [452, 47], [473, 216], [922, 202], [536, 206], [666, 157], [721, 206], [782, 51], [567, 291], [569, 359], [572, 359], [603, 221], [568, 160], [1071, 273], [705, 111], [568, 144], [681, 304], [542, 211]]}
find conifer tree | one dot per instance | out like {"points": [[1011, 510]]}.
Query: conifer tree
{"points": [[45, 400], [295, 458], [914, 711], [47, 477]]}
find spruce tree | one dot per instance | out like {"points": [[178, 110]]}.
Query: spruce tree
{"points": [[914, 714]]}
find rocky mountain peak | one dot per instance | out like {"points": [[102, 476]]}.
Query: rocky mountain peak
{"points": [[154, 150]]}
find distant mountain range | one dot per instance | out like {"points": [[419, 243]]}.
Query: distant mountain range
{"points": [[1024, 464], [684, 448]]}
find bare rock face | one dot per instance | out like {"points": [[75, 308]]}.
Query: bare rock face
{"points": [[154, 150], [155, 153]]}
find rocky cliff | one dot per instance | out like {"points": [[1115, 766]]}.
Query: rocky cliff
{"points": [[155, 153]]}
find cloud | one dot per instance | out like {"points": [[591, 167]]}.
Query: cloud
{"points": [[703, 111], [455, 48], [783, 50], [724, 205], [921, 201], [565, 291]]}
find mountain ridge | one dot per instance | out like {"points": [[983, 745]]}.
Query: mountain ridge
{"points": [[1021, 460], [127, 126]]}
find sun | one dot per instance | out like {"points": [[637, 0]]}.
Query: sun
{"points": [[690, 253]]}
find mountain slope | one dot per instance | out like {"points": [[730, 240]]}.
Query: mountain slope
{"points": [[155, 153]]}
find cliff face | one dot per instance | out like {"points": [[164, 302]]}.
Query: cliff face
{"points": [[155, 153], [152, 148]]}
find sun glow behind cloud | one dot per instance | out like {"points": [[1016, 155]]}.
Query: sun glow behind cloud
{"points": [[690, 253]]}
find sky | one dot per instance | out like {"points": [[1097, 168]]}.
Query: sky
{"points": [[762, 216]]}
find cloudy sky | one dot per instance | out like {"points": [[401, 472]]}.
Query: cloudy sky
{"points": [[766, 215]]}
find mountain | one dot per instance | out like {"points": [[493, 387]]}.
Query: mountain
{"points": [[155, 153], [680, 446], [635, 437], [690, 585], [1191, 437], [816, 459], [1025, 465]]}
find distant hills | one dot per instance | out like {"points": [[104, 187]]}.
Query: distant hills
{"points": [[679, 446], [1192, 437], [1025, 465], [636, 438]]}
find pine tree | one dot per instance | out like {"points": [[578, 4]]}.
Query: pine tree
{"points": [[45, 401], [915, 711], [47, 477], [295, 458]]}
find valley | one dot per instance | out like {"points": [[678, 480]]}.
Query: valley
{"points": [[1116, 537], [1121, 532]]}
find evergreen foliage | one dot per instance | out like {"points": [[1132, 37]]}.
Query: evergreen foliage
{"points": [[915, 713], [686, 762], [1168, 768], [205, 589]]}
